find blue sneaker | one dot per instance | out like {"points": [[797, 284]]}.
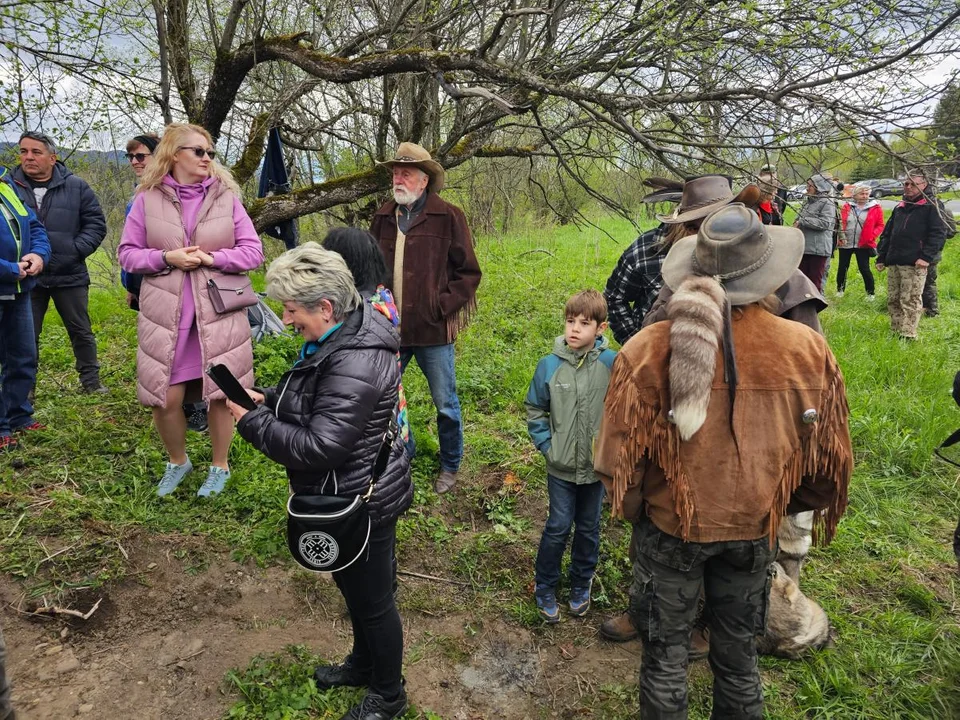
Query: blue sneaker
{"points": [[213, 485], [549, 610], [173, 476], [579, 601]]}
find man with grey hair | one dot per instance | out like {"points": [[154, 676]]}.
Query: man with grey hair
{"points": [[427, 244], [911, 241], [70, 211]]}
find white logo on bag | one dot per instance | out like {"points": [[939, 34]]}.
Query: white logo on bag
{"points": [[319, 549]]}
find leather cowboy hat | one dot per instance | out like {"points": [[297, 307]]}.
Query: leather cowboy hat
{"points": [[750, 259], [412, 154], [702, 195]]}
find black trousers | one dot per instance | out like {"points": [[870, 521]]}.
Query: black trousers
{"points": [[71, 304], [863, 264], [6, 711], [929, 295], [367, 588]]}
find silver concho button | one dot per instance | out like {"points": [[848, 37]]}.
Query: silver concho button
{"points": [[670, 417], [810, 416]]}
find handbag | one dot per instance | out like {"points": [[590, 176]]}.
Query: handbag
{"points": [[230, 292], [327, 533]]}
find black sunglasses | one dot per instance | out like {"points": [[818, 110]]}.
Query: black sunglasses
{"points": [[199, 151], [139, 157]]}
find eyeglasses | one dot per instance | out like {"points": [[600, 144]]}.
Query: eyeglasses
{"points": [[139, 157], [199, 151]]}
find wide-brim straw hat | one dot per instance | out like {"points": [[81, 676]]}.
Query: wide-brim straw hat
{"points": [[703, 195], [415, 156], [750, 259]]}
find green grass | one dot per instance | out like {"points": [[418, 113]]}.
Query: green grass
{"points": [[888, 581]]}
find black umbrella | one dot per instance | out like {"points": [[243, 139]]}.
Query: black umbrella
{"points": [[275, 181]]}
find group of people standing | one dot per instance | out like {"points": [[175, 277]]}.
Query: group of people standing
{"points": [[908, 247], [716, 310]]}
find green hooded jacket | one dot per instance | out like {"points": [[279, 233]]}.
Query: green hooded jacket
{"points": [[564, 406]]}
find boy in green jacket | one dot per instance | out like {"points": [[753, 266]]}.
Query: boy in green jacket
{"points": [[564, 406]]}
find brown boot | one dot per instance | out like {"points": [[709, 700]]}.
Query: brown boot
{"points": [[619, 628], [699, 644], [445, 482]]}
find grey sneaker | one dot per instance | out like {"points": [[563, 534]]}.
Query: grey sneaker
{"points": [[97, 388], [213, 485], [173, 476], [445, 482]]}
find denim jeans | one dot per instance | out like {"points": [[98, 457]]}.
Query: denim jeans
{"points": [[570, 504], [436, 362], [18, 363]]}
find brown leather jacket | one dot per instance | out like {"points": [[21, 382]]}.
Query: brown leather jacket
{"points": [[735, 478], [440, 271]]}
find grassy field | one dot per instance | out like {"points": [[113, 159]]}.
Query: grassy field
{"points": [[73, 495]]}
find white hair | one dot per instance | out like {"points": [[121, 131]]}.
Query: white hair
{"points": [[308, 274]]}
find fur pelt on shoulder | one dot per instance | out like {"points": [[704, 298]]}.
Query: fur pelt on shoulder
{"points": [[696, 310]]}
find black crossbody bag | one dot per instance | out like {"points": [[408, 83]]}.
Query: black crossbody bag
{"points": [[327, 533]]}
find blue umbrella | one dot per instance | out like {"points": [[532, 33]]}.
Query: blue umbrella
{"points": [[275, 181]]}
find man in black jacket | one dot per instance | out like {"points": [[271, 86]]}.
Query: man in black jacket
{"points": [[911, 241], [75, 224]]}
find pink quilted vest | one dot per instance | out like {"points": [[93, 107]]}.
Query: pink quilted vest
{"points": [[223, 338]]}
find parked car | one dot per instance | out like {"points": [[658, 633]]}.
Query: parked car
{"points": [[797, 192], [879, 188]]}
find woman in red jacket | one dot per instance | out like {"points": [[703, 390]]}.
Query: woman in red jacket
{"points": [[862, 222]]}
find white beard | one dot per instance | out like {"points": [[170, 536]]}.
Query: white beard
{"points": [[402, 196]]}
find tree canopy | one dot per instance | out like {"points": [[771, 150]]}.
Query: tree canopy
{"points": [[565, 86]]}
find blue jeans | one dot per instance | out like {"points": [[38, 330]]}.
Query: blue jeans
{"points": [[436, 362], [570, 504], [18, 363]]}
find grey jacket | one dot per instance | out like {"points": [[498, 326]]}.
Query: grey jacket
{"points": [[818, 218]]}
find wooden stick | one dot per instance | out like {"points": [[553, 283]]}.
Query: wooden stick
{"points": [[408, 573], [54, 610]]}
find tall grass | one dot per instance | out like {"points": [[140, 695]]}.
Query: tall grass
{"points": [[888, 581]]}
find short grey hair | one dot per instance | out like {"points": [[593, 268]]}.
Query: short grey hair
{"points": [[41, 138], [308, 274]]}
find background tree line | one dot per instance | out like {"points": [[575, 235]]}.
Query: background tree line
{"points": [[538, 107]]}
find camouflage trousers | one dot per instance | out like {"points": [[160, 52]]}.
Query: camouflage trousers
{"points": [[668, 578], [6, 710], [904, 302]]}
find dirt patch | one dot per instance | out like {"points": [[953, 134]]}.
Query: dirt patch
{"points": [[160, 644]]}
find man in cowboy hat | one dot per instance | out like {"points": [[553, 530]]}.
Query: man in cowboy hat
{"points": [[635, 281], [427, 244], [686, 392]]}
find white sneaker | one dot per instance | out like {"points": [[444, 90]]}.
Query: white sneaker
{"points": [[871, 298], [839, 293]]}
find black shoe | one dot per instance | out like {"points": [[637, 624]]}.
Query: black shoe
{"points": [[196, 414], [331, 676], [96, 388], [374, 707]]}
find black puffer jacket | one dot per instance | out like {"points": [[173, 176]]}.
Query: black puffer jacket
{"points": [[74, 221], [915, 231], [325, 419]]}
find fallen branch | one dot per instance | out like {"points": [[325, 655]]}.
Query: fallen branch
{"points": [[54, 610], [188, 657], [537, 250], [434, 578]]}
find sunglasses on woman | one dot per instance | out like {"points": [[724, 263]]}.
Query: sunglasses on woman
{"points": [[139, 157], [199, 151]]}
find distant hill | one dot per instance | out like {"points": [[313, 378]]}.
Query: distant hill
{"points": [[9, 151]]}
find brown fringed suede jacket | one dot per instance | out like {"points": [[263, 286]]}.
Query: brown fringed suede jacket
{"points": [[736, 477], [437, 293]]}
